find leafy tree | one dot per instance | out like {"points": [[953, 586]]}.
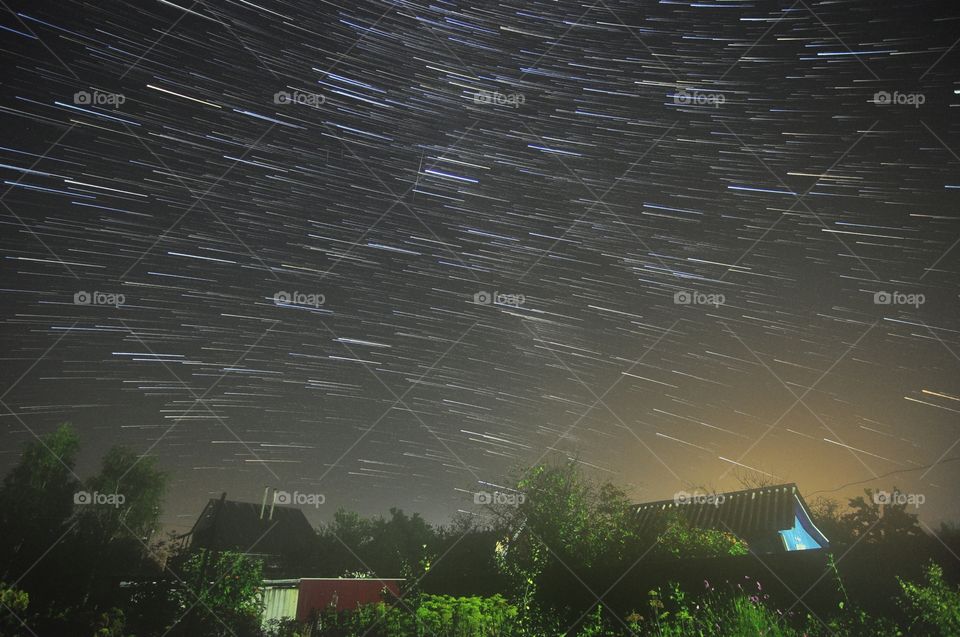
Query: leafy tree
{"points": [[36, 502], [219, 594], [565, 525], [109, 539], [894, 524]]}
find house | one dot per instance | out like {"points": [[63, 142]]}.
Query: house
{"points": [[299, 599], [280, 535], [771, 519]]}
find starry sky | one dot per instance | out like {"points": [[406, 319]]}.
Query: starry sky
{"points": [[390, 252]]}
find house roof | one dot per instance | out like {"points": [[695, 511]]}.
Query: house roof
{"points": [[744, 513], [237, 526]]}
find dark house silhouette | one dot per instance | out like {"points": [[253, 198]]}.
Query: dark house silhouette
{"points": [[772, 519], [280, 535]]}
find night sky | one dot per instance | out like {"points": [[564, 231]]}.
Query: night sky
{"points": [[722, 237]]}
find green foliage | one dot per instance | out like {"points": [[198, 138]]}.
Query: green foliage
{"points": [[141, 484], [935, 607], [36, 500], [222, 592], [391, 547], [432, 615], [111, 623], [681, 539], [13, 606]]}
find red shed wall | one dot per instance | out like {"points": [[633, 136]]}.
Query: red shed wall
{"points": [[317, 594]]}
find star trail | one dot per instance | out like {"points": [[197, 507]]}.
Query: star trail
{"points": [[391, 252]]}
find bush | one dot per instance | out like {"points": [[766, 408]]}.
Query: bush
{"points": [[934, 608]]}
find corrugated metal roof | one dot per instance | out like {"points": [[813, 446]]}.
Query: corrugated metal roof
{"points": [[744, 513]]}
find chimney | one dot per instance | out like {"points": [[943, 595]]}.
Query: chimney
{"points": [[274, 503], [263, 506]]}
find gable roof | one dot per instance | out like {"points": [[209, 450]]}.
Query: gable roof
{"points": [[237, 526], [745, 513]]}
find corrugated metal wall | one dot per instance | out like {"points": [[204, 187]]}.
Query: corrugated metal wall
{"points": [[280, 602]]}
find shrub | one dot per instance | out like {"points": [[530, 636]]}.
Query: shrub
{"points": [[935, 607]]}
